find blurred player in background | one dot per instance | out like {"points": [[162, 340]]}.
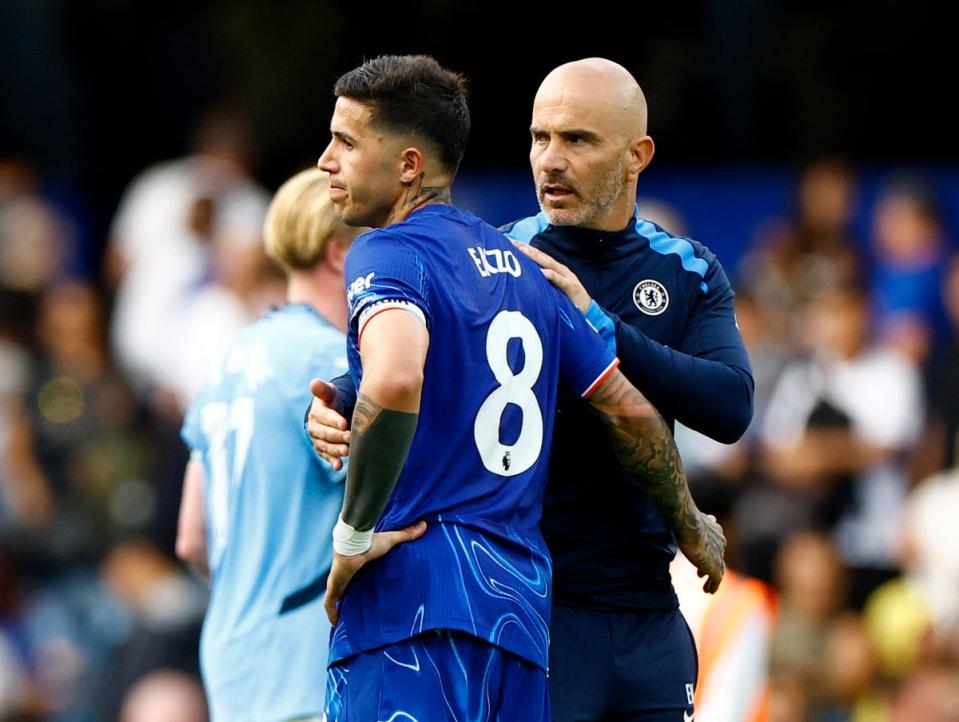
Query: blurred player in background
{"points": [[456, 345], [258, 506], [620, 649]]}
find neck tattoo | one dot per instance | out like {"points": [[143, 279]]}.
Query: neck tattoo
{"points": [[418, 198]]}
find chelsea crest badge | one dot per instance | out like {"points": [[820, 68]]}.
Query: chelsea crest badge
{"points": [[650, 297]]}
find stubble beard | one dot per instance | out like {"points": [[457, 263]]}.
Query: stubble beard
{"points": [[589, 208]]}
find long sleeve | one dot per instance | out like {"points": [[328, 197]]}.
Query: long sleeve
{"points": [[706, 383], [347, 395]]}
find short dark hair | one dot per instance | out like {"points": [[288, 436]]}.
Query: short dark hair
{"points": [[416, 94]]}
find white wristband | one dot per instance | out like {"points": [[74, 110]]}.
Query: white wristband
{"points": [[349, 542]]}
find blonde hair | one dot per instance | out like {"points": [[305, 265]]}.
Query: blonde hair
{"points": [[300, 222]]}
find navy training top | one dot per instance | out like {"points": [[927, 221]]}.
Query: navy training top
{"points": [[666, 304]]}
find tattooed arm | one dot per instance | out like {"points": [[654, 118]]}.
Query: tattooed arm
{"points": [[645, 447], [381, 441], [393, 353]]}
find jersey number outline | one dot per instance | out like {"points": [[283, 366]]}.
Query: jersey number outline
{"points": [[517, 389], [218, 420]]}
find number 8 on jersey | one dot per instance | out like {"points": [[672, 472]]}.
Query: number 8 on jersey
{"points": [[517, 389]]}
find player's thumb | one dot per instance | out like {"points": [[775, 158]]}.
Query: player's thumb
{"points": [[414, 531], [323, 391]]}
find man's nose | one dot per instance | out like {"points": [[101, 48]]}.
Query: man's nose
{"points": [[326, 161], [552, 159]]}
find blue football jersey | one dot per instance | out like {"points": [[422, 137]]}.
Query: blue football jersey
{"points": [[501, 338], [270, 505]]}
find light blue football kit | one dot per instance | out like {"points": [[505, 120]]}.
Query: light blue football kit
{"points": [[270, 505]]}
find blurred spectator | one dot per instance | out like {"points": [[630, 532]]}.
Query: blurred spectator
{"points": [[915, 618], [166, 607], [729, 475], [165, 696], [942, 386], [13, 684], [849, 673], [796, 259], [78, 436], [68, 624], [25, 497], [16, 690], [899, 625], [788, 699], [182, 226], [733, 629], [811, 584], [930, 695], [910, 245], [836, 433], [931, 554], [36, 241]]}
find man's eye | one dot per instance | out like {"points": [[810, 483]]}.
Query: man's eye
{"points": [[540, 138]]}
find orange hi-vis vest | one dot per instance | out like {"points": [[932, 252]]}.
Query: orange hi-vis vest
{"points": [[732, 629]]}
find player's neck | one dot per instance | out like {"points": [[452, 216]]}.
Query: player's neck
{"points": [[422, 192], [322, 289]]}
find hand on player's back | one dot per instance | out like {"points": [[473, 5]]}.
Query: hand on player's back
{"points": [[559, 275], [328, 429]]}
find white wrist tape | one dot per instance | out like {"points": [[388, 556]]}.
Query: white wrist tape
{"points": [[349, 542]]}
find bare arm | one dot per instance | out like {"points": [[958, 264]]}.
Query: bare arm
{"points": [[645, 447], [393, 350], [191, 526]]}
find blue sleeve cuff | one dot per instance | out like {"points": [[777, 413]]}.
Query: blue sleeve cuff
{"points": [[602, 324]]}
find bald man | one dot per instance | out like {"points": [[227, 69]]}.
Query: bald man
{"points": [[619, 647]]}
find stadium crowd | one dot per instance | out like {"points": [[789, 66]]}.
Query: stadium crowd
{"points": [[839, 504]]}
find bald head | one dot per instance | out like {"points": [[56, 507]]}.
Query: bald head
{"points": [[589, 144], [601, 85]]}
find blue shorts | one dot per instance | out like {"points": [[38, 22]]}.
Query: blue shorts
{"points": [[621, 666], [438, 675]]}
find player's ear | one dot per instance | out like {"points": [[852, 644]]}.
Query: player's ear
{"points": [[412, 165], [641, 152]]}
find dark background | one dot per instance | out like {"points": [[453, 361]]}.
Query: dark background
{"points": [[95, 91]]}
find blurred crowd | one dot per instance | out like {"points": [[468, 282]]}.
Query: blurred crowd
{"points": [[97, 619], [842, 496], [839, 503]]}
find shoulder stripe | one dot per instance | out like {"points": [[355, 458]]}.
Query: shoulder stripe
{"points": [[524, 230], [664, 243], [607, 372]]}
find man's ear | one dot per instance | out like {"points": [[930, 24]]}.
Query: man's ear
{"points": [[412, 165], [641, 152]]}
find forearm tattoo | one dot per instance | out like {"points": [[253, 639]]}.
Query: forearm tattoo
{"points": [[646, 450], [379, 445]]}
